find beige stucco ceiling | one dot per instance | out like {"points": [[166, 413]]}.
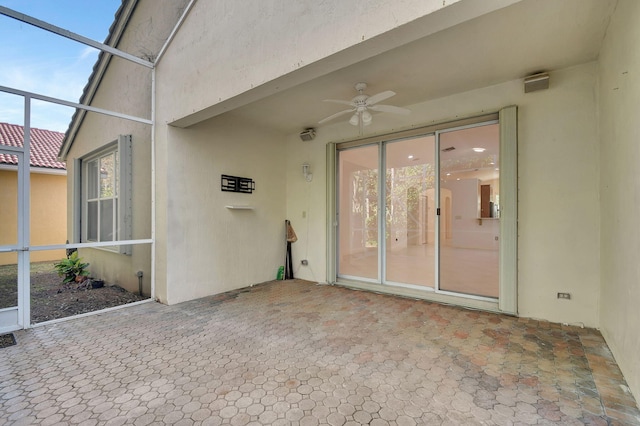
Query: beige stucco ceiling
{"points": [[508, 44]]}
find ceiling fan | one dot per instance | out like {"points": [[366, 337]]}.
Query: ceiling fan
{"points": [[362, 103]]}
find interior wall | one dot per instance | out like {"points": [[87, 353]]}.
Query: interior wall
{"points": [[466, 230], [558, 188], [619, 67], [211, 248]]}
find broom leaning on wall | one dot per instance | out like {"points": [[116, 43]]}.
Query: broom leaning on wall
{"points": [[291, 237]]}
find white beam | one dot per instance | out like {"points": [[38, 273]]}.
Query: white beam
{"points": [[73, 36], [73, 104]]}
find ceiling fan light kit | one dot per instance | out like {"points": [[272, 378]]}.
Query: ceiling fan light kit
{"points": [[361, 104]]}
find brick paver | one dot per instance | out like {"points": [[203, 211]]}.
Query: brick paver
{"points": [[296, 353]]}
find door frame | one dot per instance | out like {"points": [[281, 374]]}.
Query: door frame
{"points": [[507, 301]]}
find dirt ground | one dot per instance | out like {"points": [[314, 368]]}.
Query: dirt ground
{"points": [[51, 299]]}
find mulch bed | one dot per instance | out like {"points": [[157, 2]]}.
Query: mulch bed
{"points": [[51, 299]]}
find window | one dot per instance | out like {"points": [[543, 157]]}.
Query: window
{"points": [[105, 182]]}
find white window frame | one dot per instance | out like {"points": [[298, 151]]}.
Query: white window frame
{"points": [[122, 216]]}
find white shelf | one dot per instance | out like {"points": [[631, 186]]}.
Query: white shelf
{"points": [[240, 207]]}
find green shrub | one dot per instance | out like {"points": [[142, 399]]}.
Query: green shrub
{"points": [[71, 268]]}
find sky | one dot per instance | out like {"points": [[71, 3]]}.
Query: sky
{"points": [[41, 62]]}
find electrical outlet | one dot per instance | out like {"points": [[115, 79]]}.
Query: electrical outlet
{"points": [[564, 295], [304, 214], [305, 262]]}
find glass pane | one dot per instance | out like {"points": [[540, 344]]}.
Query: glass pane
{"points": [[358, 212], [106, 220], [116, 167], [92, 221], [410, 216], [92, 178], [469, 221], [107, 177]]}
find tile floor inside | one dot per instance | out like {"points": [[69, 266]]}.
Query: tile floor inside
{"points": [[296, 353]]}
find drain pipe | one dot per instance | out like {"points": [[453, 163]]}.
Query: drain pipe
{"points": [[139, 275]]}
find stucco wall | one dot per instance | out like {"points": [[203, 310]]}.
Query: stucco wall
{"points": [[126, 88], [288, 37], [558, 188], [96, 132], [48, 214], [209, 247], [619, 67]]}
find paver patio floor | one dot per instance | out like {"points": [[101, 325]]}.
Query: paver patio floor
{"points": [[297, 353]]}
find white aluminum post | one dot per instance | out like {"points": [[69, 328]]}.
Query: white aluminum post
{"points": [[24, 223]]}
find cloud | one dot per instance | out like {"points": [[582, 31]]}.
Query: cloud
{"points": [[58, 76], [37, 61], [45, 115], [88, 52]]}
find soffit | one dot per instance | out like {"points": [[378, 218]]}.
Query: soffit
{"points": [[508, 44]]}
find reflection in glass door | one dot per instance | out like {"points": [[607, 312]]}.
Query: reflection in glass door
{"points": [[410, 212], [470, 186], [358, 213], [431, 221]]}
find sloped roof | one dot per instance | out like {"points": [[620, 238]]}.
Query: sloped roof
{"points": [[44, 146], [121, 18]]}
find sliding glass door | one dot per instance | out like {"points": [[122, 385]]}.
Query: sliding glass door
{"points": [[470, 188], [410, 212], [430, 220], [358, 255]]}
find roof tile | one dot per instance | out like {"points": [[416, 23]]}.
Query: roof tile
{"points": [[44, 146]]}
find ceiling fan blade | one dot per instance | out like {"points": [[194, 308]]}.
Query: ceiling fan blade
{"points": [[339, 101], [390, 108], [336, 115], [380, 97]]}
